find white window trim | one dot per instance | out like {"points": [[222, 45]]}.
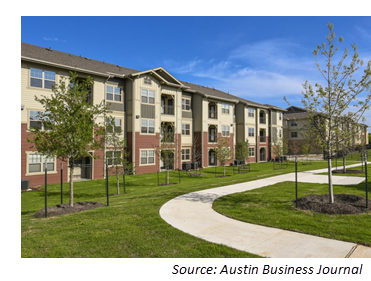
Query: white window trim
{"points": [[253, 154], [113, 150], [226, 106], [186, 129], [113, 93], [42, 162], [148, 133], [229, 131], [148, 90], [42, 79], [140, 157], [186, 99], [248, 112], [248, 132], [186, 148]]}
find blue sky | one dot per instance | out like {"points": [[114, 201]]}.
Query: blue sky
{"points": [[260, 58]]}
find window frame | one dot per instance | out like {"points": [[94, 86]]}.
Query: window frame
{"points": [[296, 135], [226, 108], [223, 131], [147, 126], [112, 158], [146, 79], [184, 129], [147, 96], [184, 155], [147, 157], [252, 149], [113, 93], [42, 78], [251, 135], [42, 164], [251, 111], [185, 105]]}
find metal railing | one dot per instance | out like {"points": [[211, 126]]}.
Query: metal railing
{"points": [[212, 114], [167, 109]]}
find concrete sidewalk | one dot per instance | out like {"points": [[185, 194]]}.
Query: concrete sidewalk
{"points": [[193, 214]]}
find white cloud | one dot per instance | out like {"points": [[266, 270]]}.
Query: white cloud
{"points": [[53, 39]]}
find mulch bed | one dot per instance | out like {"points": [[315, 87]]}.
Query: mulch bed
{"points": [[164, 184], [222, 176], [344, 204], [63, 209], [348, 172]]}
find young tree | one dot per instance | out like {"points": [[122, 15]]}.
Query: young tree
{"points": [[279, 147], [306, 148], [69, 126], [167, 151], [242, 151], [223, 151], [342, 99], [117, 155]]}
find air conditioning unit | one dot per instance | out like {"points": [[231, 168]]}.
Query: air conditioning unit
{"points": [[25, 184]]}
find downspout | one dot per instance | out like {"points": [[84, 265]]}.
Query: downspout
{"points": [[104, 120]]}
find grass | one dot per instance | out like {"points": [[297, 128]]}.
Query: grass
{"points": [[131, 225], [273, 206]]}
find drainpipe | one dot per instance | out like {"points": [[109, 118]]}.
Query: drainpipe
{"points": [[104, 115]]}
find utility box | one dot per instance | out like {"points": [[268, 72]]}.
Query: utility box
{"points": [[186, 166], [25, 184]]}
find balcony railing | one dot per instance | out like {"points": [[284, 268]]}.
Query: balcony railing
{"points": [[167, 109], [263, 139], [212, 137], [262, 120], [212, 114], [168, 138]]}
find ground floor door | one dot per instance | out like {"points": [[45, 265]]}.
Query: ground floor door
{"points": [[212, 158], [83, 168], [263, 157]]}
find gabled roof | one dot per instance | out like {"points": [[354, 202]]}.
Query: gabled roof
{"points": [[60, 59], [162, 75]]}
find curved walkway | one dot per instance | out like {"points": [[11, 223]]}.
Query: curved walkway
{"points": [[193, 214]]}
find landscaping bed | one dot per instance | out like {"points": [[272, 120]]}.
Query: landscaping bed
{"points": [[63, 209], [348, 172], [343, 204]]}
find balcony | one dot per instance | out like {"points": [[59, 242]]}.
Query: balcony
{"points": [[262, 120], [167, 109], [263, 139], [212, 114]]}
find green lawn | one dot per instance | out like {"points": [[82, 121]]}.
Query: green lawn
{"points": [[273, 206], [131, 225]]}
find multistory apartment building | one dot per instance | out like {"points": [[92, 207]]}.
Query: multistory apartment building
{"points": [[296, 124], [145, 105]]}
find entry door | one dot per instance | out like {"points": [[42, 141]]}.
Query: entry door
{"points": [[262, 154]]}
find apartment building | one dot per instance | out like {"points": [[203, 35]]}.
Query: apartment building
{"points": [[296, 122], [145, 105]]}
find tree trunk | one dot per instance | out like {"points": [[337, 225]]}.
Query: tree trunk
{"points": [[167, 177], [71, 186], [224, 169], [330, 187]]}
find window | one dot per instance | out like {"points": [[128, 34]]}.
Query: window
{"points": [[117, 128], [280, 133], [113, 157], [35, 118], [186, 104], [148, 126], [251, 112], [251, 151], [186, 154], [294, 134], [147, 81], [280, 116], [36, 163], [186, 129], [225, 131], [113, 93], [212, 134], [251, 132], [147, 157], [148, 96], [42, 78], [293, 123], [225, 108]]}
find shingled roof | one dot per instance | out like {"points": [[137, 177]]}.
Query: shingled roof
{"points": [[33, 52], [79, 63]]}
